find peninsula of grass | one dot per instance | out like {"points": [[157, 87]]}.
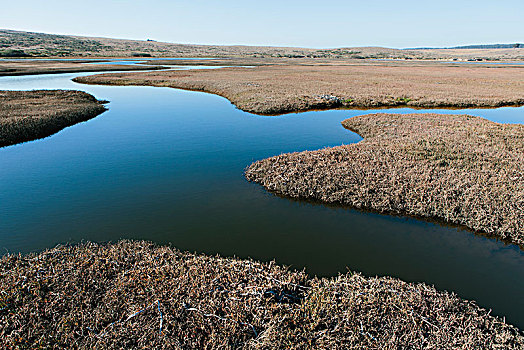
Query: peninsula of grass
{"points": [[460, 169], [134, 294], [278, 89], [31, 115]]}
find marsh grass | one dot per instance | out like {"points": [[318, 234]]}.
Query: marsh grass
{"points": [[289, 88], [30, 115], [461, 169], [135, 294]]}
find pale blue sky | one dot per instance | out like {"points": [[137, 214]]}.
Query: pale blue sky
{"points": [[306, 23]]}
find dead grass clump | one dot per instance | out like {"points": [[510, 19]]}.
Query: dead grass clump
{"points": [[293, 87], [457, 168], [138, 295], [30, 115]]}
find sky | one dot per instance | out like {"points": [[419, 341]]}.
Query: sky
{"points": [[305, 23]]}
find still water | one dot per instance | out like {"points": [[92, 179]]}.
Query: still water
{"points": [[167, 165]]}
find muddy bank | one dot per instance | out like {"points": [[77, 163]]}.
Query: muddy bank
{"points": [[456, 168], [30, 115], [288, 88], [134, 294]]}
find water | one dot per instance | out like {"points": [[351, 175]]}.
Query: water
{"points": [[167, 165], [133, 62], [504, 63]]}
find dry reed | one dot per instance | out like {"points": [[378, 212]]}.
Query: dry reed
{"points": [[134, 294], [457, 168]]}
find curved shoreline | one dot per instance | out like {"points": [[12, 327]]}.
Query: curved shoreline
{"points": [[135, 292], [422, 165], [31, 115], [278, 89]]}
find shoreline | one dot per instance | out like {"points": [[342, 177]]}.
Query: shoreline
{"points": [[316, 109], [280, 89], [421, 168], [18, 68], [156, 296], [36, 114]]}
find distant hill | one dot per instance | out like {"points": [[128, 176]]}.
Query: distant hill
{"points": [[468, 47], [20, 44]]}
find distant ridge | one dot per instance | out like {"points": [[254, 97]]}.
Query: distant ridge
{"points": [[20, 44], [487, 46]]}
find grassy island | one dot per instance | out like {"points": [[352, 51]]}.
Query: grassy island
{"points": [[31, 115], [275, 89], [457, 168]]}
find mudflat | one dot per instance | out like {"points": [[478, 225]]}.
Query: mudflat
{"points": [[288, 88], [136, 294], [30, 115], [456, 168]]}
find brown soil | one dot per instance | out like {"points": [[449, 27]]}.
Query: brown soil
{"points": [[30, 115], [137, 295], [457, 168], [286, 88]]}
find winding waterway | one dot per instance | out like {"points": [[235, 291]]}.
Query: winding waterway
{"points": [[167, 165]]}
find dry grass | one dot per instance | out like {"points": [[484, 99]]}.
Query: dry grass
{"points": [[30, 115], [286, 88], [138, 295], [269, 61], [457, 168]]}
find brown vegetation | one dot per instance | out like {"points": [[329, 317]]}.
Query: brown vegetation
{"points": [[286, 88], [30, 115], [137, 295], [269, 61], [457, 168]]}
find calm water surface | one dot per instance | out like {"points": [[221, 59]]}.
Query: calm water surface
{"points": [[167, 165]]}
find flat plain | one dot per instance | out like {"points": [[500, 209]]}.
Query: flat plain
{"points": [[274, 89]]}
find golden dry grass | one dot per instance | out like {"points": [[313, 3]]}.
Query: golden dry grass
{"points": [[30, 115], [287, 88], [136, 295], [457, 168]]}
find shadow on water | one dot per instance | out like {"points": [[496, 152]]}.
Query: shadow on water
{"points": [[167, 165]]}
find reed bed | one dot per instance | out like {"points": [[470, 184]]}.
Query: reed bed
{"points": [[30, 115], [456, 168], [293, 87], [134, 294]]}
